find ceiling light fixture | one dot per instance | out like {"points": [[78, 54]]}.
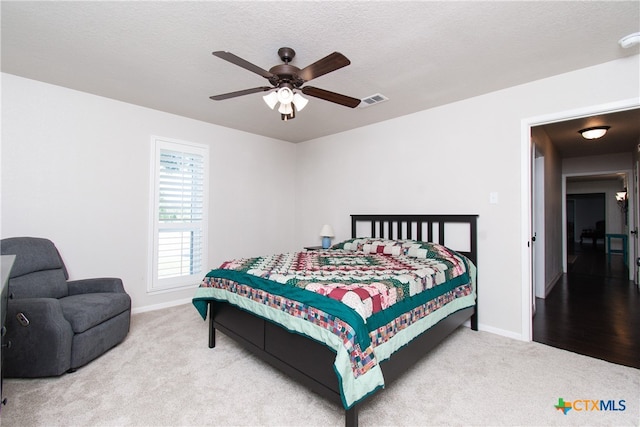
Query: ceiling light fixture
{"points": [[622, 199], [630, 40], [594, 132], [290, 102]]}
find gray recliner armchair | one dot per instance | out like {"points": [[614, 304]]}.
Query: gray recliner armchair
{"points": [[55, 325]]}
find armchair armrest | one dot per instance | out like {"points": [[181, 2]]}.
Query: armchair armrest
{"points": [[97, 285], [47, 333]]}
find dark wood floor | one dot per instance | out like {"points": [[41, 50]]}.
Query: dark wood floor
{"points": [[593, 309]]}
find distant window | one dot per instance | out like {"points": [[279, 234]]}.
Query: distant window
{"points": [[179, 213]]}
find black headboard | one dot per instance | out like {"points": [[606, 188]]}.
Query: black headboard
{"points": [[416, 226]]}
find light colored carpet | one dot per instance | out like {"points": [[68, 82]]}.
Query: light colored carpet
{"points": [[164, 374]]}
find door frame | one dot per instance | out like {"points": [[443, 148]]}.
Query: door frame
{"points": [[627, 174], [635, 208], [526, 197]]}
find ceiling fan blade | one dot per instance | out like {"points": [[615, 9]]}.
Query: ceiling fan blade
{"points": [[345, 100], [325, 65], [240, 93], [228, 56]]}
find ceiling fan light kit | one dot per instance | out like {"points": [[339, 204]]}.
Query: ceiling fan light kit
{"points": [[285, 95], [285, 108], [290, 102], [287, 113], [299, 101], [288, 79], [271, 99]]}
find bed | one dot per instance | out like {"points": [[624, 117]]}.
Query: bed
{"points": [[349, 320]]}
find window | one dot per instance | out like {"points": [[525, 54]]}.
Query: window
{"points": [[179, 213]]}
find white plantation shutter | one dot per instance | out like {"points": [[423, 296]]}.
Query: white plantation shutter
{"points": [[180, 214]]}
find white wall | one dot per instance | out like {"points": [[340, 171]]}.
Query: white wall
{"points": [[447, 160], [593, 165], [76, 169]]}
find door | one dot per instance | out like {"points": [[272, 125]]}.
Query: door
{"points": [[539, 230], [635, 211], [570, 207]]}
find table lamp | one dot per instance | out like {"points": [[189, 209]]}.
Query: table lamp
{"points": [[326, 233]]}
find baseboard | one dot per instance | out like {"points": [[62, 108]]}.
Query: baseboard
{"points": [[501, 332], [160, 306], [549, 286], [481, 327]]}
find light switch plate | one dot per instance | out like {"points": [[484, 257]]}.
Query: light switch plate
{"points": [[493, 197]]}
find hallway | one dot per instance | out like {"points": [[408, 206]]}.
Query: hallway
{"points": [[592, 310]]}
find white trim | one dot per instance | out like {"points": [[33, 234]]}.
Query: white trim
{"points": [[497, 331], [525, 186], [155, 307], [563, 208], [525, 202]]}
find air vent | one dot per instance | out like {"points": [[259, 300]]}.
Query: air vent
{"points": [[372, 100]]}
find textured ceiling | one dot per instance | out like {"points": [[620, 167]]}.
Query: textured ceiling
{"points": [[418, 54]]}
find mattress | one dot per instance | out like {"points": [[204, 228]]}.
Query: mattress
{"points": [[363, 298]]}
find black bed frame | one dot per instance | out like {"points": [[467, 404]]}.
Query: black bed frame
{"points": [[310, 362]]}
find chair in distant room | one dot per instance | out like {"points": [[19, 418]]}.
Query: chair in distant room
{"points": [[55, 325], [594, 234]]}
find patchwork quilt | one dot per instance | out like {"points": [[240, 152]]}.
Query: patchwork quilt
{"points": [[364, 298]]}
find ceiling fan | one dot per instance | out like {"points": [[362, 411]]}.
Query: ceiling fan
{"points": [[288, 80]]}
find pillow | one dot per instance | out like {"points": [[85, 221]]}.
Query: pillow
{"points": [[376, 245], [412, 248]]}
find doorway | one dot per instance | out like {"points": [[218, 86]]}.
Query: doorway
{"points": [[587, 221], [559, 208], [595, 291]]}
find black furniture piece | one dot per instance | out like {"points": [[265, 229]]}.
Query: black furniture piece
{"points": [[310, 362], [594, 234], [312, 248], [6, 262], [55, 325]]}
